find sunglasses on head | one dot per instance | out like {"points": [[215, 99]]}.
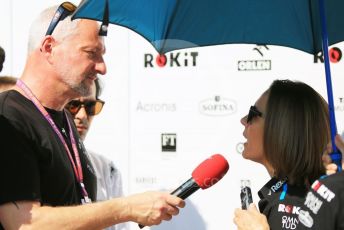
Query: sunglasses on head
{"points": [[253, 112], [91, 107], [64, 10]]}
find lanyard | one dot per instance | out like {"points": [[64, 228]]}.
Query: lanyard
{"points": [[77, 168]]}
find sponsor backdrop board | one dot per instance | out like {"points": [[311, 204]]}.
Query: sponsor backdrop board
{"points": [[163, 117]]}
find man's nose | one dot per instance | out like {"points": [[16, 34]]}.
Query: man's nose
{"points": [[81, 114], [101, 66]]}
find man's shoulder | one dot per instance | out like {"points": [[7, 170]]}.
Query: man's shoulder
{"points": [[12, 104]]}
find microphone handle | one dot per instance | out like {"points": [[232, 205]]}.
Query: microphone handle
{"points": [[184, 191]]}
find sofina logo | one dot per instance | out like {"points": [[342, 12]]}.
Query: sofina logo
{"points": [[217, 106]]}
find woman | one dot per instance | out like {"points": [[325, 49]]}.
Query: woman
{"points": [[287, 131], [328, 215]]}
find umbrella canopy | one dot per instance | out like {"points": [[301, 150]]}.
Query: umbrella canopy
{"points": [[173, 24], [307, 25]]}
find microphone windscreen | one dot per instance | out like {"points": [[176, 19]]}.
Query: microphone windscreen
{"points": [[210, 171]]}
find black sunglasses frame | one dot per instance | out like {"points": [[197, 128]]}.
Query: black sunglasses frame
{"points": [[88, 105], [64, 10], [253, 112]]}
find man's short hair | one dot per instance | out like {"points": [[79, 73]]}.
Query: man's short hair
{"points": [[7, 82]]}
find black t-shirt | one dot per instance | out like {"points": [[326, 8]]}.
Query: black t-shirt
{"points": [[34, 164], [324, 204], [281, 213]]}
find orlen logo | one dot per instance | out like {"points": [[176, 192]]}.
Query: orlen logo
{"points": [[217, 106], [335, 55], [175, 59], [256, 65], [288, 209]]}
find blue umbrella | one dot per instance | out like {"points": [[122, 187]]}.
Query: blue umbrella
{"points": [[307, 25]]}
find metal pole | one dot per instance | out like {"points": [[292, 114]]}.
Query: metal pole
{"points": [[336, 156]]}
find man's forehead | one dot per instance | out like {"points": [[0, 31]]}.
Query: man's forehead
{"points": [[89, 28], [87, 36]]}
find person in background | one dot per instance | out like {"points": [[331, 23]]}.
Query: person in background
{"points": [[47, 180], [282, 132], [2, 58], [109, 180], [7, 82]]}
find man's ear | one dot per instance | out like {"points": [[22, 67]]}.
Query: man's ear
{"points": [[46, 47]]}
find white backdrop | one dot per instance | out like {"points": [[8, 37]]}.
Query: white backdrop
{"points": [[198, 104]]}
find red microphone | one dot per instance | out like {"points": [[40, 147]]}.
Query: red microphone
{"points": [[208, 173]]}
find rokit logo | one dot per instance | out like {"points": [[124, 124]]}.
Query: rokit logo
{"points": [[175, 59], [323, 191], [335, 55], [217, 106], [156, 107], [288, 209], [256, 65], [168, 142]]}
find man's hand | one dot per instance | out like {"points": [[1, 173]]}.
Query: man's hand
{"points": [[331, 168], [150, 208]]}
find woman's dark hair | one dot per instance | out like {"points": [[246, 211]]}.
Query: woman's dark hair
{"points": [[296, 131]]}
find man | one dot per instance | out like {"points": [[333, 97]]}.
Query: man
{"points": [[109, 181], [44, 172]]}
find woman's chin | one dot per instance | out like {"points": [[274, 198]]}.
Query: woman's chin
{"points": [[245, 155]]}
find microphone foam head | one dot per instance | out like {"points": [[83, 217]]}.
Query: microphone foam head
{"points": [[210, 171]]}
